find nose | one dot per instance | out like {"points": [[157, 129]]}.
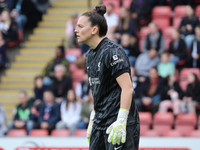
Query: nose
{"points": [[76, 30]]}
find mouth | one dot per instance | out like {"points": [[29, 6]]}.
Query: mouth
{"points": [[77, 36]]}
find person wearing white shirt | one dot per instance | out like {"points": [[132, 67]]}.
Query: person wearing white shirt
{"points": [[70, 113], [111, 18]]}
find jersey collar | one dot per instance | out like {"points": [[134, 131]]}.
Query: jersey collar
{"points": [[100, 44]]}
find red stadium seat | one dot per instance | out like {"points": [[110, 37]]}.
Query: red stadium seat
{"points": [[145, 121], [144, 32], [162, 22], [126, 3], [73, 51], [194, 133], [177, 22], [185, 123], [151, 133], [17, 133], [180, 11], [60, 133], [167, 32], [116, 4], [80, 133], [161, 12], [197, 11], [172, 133], [199, 123], [39, 132], [186, 71], [78, 75], [72, 67], [163, 122]]}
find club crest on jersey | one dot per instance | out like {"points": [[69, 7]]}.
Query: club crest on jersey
{"points": [[115, 57]]}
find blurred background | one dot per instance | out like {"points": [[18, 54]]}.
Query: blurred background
{"points": [[44, 90]]}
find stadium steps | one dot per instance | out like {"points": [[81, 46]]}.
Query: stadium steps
{"points": [[38, 50]]}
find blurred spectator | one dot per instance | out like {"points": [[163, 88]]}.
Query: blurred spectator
{"points": [[130, 46], [82, 89], [71, 35], [3, 57], [38, 90], [29, 9], [58, 59], [134, 77], [145, 61], [23, 117], [154, 40], [41, 5], [11, 32], [3, 5], [61, 83], [3, 128], [165, 67], [195, 50], [49, 113], [171, 95], [140, 11], [192, 98], [188, 25], [70, 113], [150, 94], [16, 13], [111, 18], [125, 25], [87, 107], [177, 48]]}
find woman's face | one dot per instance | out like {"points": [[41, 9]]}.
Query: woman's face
{"points": [[70, 96], [123, 13], [39, 82], [191, 78], [83, 30]]}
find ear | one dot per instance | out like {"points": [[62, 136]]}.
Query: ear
{"points": [[95, 29]]}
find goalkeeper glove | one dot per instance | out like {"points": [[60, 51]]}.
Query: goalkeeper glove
{"points": [[89, 129], [117, 130]]}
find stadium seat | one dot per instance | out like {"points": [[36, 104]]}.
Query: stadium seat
{"points": [[194, 133], [172, 133], [144, 32], [72, 67], [162, 22], [78, 75], [116, 4], [80, 133], [186, 71], [145, 121], [177, 22], [163, 122], [17, 133], [167, 32], [126, 3], [151, 133], [62, 133], [197, 11], [180, 11], [73, 51], [161, 12], [39, 132], [185, 123]]}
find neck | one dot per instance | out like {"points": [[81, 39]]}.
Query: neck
{"points": [[94, 42]]}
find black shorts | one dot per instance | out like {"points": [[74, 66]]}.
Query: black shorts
{"points": [[99, 139]]}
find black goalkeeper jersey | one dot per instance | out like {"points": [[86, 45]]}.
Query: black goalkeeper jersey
{"points": [[104, 65]]}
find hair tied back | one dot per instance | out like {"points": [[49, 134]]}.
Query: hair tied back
{"points": [[100, 9]]}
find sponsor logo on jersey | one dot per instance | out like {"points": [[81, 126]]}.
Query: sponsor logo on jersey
{"points": [[115, 62], [115, 57], [93, 81], [99, 64]]}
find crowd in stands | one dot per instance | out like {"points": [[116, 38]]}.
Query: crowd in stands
{"points": [[58, 104]]}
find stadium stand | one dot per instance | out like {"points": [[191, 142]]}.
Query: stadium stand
{"points": [[17, 133], [145, 122], [195, 133], [60, 133], [151, 133], [172, 133], [80, 133], [39, 133]]}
